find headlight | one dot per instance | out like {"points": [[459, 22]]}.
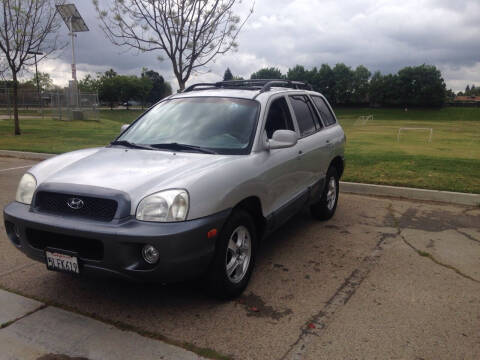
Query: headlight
{"points": [[26, 188], [164, 206]]}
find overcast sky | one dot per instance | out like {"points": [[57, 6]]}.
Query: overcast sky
{"points": [[383, 35]]}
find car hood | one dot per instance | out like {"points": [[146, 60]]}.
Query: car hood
{"points": [[134, 171]]}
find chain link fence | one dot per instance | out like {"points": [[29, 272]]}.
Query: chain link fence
{"points": [[62, 105]]}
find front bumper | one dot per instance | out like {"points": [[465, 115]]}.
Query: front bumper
{"points": [[114, 248]]}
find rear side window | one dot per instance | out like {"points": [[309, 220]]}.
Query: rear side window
{"points": [[324, 111], [278, 117], [306, 116]]}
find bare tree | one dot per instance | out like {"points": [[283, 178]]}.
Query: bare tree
{"points": [[191, 33], [26, 27]]}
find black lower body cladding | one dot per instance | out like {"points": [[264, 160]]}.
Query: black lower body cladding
{"points": [[115, 248]]}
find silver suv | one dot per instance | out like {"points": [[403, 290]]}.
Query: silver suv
{"points": [[187, 190]]}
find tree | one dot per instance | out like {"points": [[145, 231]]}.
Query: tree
{"points": [[190, 33], [324, 82], [421, 86], [45, 82], [344, 79], [89, 84], [227, 75], [298, 73], [160, 88], [268, 73], [376, 91], [26, 26], [361, 75]]}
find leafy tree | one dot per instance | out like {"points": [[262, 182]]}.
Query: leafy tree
{"points": [[361, 77], [268, 73], [376, 89], [132, 88], [109, 90], [298, 73], [344, 80], [45, 82], [227, 75], [324, 82], [190, 33], [89, 84], [421, 86], [26, 26], [160, 88]]}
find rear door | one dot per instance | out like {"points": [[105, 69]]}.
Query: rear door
{"points": [[313, 144]]}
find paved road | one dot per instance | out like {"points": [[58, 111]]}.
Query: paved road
{"points": [[384, 279]]}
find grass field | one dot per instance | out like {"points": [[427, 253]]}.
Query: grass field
{"points": [[450, 162]]}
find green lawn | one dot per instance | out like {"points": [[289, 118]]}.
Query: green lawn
{"points": [[450, 162], [55, 136]]}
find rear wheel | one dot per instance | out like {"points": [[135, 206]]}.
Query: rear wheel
{"points": [[325, 208], [234, 257]]}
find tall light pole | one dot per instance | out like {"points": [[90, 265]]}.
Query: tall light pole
{"points": [[35, 53], [75, 23]]}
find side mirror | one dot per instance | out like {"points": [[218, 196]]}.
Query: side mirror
{"points": [[124, 127], [282, 139]]}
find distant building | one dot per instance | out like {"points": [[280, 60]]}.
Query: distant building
{"points": [[467, 99]]}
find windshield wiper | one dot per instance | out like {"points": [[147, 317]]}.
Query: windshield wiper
{"points": [[131, 145], [179, 147]]}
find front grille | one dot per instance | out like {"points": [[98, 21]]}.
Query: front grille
{"points": [[85, 248], [93, 208]]}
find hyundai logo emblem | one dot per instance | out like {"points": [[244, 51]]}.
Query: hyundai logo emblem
{"points": [[75, 203]]}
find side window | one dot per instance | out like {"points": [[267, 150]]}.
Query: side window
{"points": [[306, 116], [324, 111], [279, 117]]}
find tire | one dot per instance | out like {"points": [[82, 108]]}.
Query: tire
{"points": [[234, 257], [325, 208]]}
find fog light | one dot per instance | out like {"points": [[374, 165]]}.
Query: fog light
{"points": [[150, 254]]}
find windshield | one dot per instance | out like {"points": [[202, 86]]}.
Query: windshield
{"points": [[223, 125]]}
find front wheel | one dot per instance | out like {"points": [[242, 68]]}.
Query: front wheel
{"points": [[234, 257], [325, 208]]}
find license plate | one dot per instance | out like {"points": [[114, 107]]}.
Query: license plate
{"points": [[60, 261]]}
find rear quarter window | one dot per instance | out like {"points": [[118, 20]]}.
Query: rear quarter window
{"points": [[324, 111], [307, 118]]}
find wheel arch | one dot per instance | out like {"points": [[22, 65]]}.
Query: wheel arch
{"points": [[253, 206], [339, 164]]}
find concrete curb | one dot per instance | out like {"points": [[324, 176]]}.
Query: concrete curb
{"points": [[25, 155], [347, 187], [411, 193]]}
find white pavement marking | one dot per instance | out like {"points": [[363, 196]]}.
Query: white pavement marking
{"points": [[15, 168]]}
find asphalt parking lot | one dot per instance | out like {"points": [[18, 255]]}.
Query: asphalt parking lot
{"points": [[384, 279]]}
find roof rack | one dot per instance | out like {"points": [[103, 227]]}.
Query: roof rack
{"points": [[262, 85]]}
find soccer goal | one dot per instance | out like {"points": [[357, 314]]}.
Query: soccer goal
{"points": [[363, 120], [403, 129]]}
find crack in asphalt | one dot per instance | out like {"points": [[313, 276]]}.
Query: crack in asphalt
{"points": [[468, 236], [436, 261], [319, 322]]}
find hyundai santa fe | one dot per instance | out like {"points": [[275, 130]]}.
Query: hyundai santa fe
{"points": [[188, 190]]}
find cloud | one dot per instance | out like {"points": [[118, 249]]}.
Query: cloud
{"points": [[380, 34]]}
